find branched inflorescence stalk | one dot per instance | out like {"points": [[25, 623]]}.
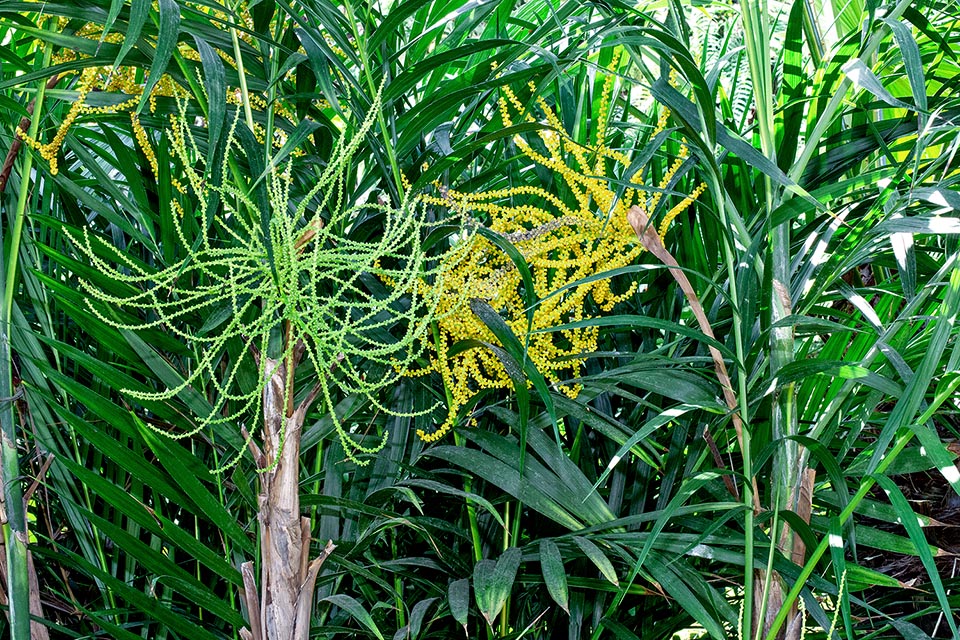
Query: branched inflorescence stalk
{"points": [[300, 273]]}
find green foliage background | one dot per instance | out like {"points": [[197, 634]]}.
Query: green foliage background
{"points": [[824, 251]]}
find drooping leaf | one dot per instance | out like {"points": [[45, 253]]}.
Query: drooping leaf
{"points": [[493, 582], [458, 597], [554, 575]]}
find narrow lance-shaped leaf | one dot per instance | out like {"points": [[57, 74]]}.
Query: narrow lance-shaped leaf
{"points": [[554, 575], [502, 331], [598, 558], [458, 597], [166, 44]]}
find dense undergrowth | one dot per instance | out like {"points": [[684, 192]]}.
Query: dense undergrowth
{"points": [[605, 321]]}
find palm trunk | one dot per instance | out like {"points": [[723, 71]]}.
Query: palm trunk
{"points": [[288, 576]]}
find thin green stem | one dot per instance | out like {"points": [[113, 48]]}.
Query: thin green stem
{"points": [[269, 50], [771, 556], [731, 263], [784, 472], [238, 58], [471, 511], [467, 482], [477, 543], [18, 220], [15, 529], [756, 26], [505, 612], [288, 349], [812, 32], [511, 539], [748, 519], [397, 584], [317, 487]]}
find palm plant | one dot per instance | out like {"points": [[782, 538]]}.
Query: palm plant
{"points": [[658, 499], [768, 230]]}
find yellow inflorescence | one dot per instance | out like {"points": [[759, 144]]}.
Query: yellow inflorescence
{"points": [[122, 80], [126, 80], [562, 242]]}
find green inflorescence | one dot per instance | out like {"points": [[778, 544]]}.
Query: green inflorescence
{"points": [[301, 279]]}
